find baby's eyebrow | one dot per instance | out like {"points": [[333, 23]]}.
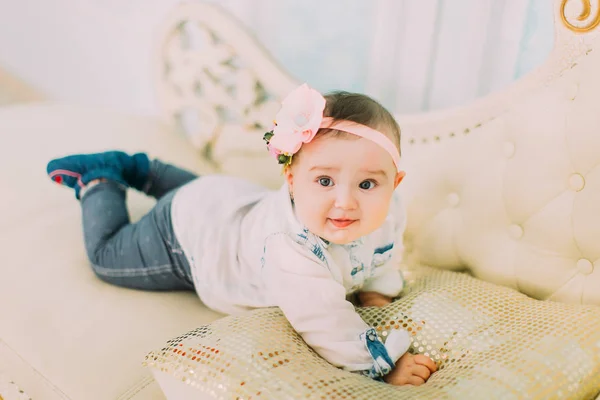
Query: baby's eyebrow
{"points": [[324, 168], [379, 172], [376, 172]]}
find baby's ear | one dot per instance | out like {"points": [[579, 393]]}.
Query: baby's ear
{"points": [[399, 176], [289, 177]]}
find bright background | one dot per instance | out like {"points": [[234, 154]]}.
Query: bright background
{"points": [[413, 55]]}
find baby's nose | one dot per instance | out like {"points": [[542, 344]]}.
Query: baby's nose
{"points": [[345, 199]]}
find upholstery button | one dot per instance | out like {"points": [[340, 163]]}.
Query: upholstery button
{"points": [[509, 149], [585, 266], [515, 231], [576, 182], [453, 199]]}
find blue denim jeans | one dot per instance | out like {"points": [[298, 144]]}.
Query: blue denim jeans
{"points": [[143, 255]]}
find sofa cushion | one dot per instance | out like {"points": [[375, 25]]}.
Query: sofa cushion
{"points": [[488, 341], [64, 333]]}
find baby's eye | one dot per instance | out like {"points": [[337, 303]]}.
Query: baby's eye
{"points": [[325, 181], [366, 185]]}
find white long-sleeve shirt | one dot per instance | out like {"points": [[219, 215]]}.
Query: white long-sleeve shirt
{"points": [[247, 249]]}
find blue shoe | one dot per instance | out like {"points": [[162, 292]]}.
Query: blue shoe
{"points": [[76, 171]]}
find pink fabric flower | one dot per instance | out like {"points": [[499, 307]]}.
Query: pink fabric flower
{"points": [[298, 120], [273, 151]]}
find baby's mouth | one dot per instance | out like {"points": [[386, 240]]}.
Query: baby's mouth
{"points": [[342, 223]]}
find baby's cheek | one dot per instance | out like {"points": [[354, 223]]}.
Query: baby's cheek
{"points": [[379, 212], [379, 218], [311, 216]]}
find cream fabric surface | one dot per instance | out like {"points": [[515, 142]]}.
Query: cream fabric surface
{"points": [[9, 389], [64, 334], [509, 188]]}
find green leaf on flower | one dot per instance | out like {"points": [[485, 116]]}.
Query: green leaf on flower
{"points": [[267, 137]]}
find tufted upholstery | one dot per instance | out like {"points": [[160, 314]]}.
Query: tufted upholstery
{"points": [[509, 188]]}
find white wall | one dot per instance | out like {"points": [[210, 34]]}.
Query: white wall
{"points": [[413, 55], [93, 52]]}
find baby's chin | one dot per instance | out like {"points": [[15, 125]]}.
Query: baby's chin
{"points": [[340, 236]]}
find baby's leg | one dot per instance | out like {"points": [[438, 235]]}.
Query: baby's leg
{"points": [[137, 171], [77, 170], [163, 178], [144, 255]]}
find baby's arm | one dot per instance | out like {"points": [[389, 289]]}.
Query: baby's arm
{"points": [[373, 299], [411, 370], [315, 304], [380, 289]]}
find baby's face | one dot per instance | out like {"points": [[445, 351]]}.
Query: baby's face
{"points": [[342, 187]]}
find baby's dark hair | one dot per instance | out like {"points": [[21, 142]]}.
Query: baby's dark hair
{"points": [[363, 110]]}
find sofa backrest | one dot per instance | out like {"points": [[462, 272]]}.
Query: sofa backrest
{"points": [[508, 188]]}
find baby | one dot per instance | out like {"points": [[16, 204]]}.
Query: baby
{"points": [[333, 230]]}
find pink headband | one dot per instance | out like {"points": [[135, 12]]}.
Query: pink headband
{"points": [[367, 133], [301, 116]]}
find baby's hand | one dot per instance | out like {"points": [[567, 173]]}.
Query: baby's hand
{"points": [[411, 370], [373, 299]]}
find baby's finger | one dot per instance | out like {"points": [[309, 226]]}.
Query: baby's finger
{"points": [[426, 361], [421, 371], [415, 380]]}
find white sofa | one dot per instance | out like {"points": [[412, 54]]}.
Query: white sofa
{"points": [[63, 333], [507, 188]]}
